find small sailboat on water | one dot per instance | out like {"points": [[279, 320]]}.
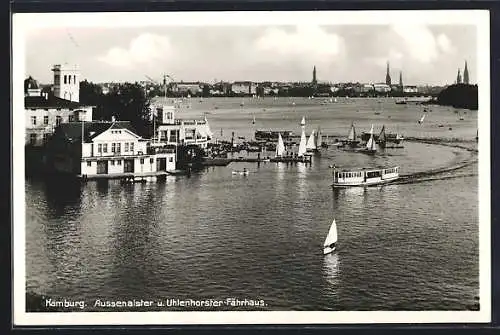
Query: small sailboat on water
{"points": [[253, 121], [311, 143], [331, 239], [351, 137], [382, 138], [421, 119], [303, 144], [280, 148], [319, 140], [371, 146]]}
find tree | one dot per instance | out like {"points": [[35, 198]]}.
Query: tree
{"points": [[459, 96], [125, 102], [190, 156]]}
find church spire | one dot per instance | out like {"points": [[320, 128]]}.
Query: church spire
{"points": [[466, 74], [459, 77], [388, 76], [401, 79], [314, 81]]}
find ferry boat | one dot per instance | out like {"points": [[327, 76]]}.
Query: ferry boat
{"points": [[364, 176]]}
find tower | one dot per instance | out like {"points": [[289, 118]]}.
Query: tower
{"points": [[314, 81], [388, 76], [67, 82], [401, 80], [459, 77], [466, 74]]}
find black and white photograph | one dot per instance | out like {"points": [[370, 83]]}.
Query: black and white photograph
{"points": [[317, 167]]}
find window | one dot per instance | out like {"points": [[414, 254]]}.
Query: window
{"points": [[118, 147], [46, 120], [33, 120], [142, 160], [69, 79], [89, 163], [170, 159], [112, 162], [132, 147], [65, 79], [151, 160], [57, 79], [126, 147], [32, 139], [105, 147], [113, 147], [74, 79], [99, 148], [119, 162], [45, 138], [71, 118], [58, 120]]}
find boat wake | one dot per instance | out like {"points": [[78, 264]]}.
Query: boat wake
{"points": [[447, 172]]}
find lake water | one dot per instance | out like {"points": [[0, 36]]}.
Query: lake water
{"points": [[215, 235]]}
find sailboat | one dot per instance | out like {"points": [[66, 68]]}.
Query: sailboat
{"points": [[351, 137], [319, 140], [421, 119], [303, 122], [302, 144], [253, 121], [371, 146], [280, 148], [311, 145], [382, 138], [331, 239]]}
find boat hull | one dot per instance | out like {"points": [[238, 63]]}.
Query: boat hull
{"points": [[328, 250], [367, 183]]}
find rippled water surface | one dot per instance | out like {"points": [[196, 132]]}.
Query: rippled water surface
{"points": [[217, 235]]}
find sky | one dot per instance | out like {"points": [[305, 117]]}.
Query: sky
{"points": [[426, 54]]}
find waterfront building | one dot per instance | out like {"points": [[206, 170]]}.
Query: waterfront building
{"points": [[388, 76], [244, 88], [106, 149], [185, 88], [466, 74], [44, 111], [410, 89], [382, 88], [172, 131]]}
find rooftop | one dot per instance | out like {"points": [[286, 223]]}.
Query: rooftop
{"points": [[50, 102], [73, 130]]}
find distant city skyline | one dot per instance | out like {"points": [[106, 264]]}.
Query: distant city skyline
{"points": [[425, 54]]}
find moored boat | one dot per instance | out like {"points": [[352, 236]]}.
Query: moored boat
{"points": [[364, 176]]}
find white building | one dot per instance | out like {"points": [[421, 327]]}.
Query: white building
{"points": [[244, 87], [108, 149], [67, 82], [176, 132], [44, 112], [381, 87], [410, 89]]}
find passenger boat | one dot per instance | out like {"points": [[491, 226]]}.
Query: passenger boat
{"points": [[364, 176]]}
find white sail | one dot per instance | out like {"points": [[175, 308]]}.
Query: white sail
{"points": [[280, 148], [310, 143], [319, 139], [332, 235], [352, 134], [421, 119], [303, 122], [302, 144], [370, 145]]}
